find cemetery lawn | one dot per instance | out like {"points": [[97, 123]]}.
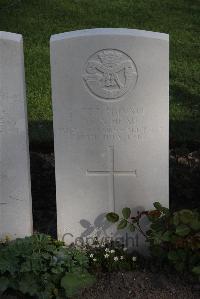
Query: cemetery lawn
{"points": [[37, 20]]}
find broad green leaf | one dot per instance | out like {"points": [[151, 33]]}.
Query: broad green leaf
{"points": [[195, 224], [186, 216], [122, 224], [74, 282], [26, 266], [112, 217], [166, 236], [175, 219], [182, 230], [165, 210], [28, 285], [126, 212], [157, 205], [131, 227], [196, 270], [156, 237], [172, 255]]}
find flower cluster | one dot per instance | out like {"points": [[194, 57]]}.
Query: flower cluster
{"points": [[6, 239], [109, 256]]}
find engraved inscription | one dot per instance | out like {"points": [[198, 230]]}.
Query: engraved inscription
{"points": [[110, 73], [105, 124], [112, 172]]}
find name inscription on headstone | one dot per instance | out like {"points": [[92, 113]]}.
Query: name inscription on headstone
{"points": [[105, 124]]}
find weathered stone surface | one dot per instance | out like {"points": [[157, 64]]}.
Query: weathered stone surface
{"points": [[15, 197], [110, 103]]}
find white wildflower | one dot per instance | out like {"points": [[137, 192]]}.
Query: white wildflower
{"points": [[7, 238], [107, 250], [134, 258], [106, 255], [112, 251], [116, 258], [94, 260], [91, 255], [121, 257]]}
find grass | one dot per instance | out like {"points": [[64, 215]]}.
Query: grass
{"points": [[37, 20]]}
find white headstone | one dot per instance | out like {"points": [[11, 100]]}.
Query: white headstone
{"points": [[110, 104], [15, 197]]}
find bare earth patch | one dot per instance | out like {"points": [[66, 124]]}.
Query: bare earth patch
{"points": [[140, 285]]}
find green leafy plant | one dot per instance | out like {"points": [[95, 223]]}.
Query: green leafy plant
{"points": [[173, 237], [42, 267]]}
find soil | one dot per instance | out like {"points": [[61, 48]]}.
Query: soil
{"points": [[140, 285], [43, 193], [184, 193]]}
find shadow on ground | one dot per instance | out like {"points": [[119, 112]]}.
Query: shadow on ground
{"points": [[184, 186]]}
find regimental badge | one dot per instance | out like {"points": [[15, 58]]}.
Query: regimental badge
{"points": [[110, 73]]}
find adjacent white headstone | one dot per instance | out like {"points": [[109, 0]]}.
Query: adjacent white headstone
{"points": [[15, 197], [110, 103]]}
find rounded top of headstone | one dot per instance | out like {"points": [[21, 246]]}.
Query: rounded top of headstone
{"points": [[109, 31], [10, 36]]}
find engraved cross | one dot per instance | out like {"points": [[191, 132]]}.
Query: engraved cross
{"points": [[112, 172]]}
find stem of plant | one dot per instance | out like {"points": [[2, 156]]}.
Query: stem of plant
{"points": [[141, 231]]}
